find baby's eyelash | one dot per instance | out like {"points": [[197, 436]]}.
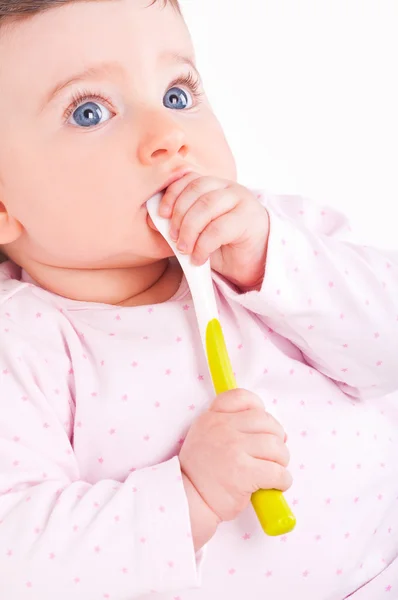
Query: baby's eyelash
{"points": [[81, 96], [192, 81]]}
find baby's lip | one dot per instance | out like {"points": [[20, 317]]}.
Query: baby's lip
{"points": [[175, 177]]}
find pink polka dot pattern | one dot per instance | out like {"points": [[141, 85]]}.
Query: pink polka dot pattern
{"points": [[96, 403]]}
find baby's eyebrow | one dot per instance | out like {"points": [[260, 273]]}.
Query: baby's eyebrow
{"points": [[113, 68], [181, 59], [104, 68]]}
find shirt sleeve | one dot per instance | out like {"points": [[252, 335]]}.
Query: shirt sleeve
{"points": [[61, 537], [335, 299]]}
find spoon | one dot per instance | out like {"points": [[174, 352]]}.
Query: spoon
{"points": [[270, 506]]}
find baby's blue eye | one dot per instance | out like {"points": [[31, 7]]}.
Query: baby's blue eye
{"points": [[90, 114], [177, 99]]}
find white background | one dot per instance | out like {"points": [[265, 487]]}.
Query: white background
{"points": [[307, 92]]}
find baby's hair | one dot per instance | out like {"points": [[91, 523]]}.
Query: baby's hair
{"points": [[19, 9]]}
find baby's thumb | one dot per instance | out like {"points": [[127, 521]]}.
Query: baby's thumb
{"points": [[236, 401]]}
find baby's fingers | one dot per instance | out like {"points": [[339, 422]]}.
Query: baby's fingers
{"points": [[271, 476], [267, 447], [188, 196], [257, 420], [207, 208], [172, 192], [223, 231]]}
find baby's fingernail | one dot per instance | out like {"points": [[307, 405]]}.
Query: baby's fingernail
{"points": [[174, 233], [182, 247]]}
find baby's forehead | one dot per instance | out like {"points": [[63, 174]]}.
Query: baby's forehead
{"points": [[78, 20], [79, 34]]}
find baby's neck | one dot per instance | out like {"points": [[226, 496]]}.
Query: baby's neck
{"points": [[136, 286]]}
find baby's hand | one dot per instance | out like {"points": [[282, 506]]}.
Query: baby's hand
{"points": [[232, 450], [221, 220]]}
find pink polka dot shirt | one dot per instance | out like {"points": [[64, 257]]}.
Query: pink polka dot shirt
{"points": [[95, 402]]}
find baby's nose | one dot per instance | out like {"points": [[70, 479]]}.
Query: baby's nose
{"points": [[162, 140]]}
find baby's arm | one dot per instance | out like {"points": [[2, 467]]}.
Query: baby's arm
{"points": [[335, 300], [61, 537]]}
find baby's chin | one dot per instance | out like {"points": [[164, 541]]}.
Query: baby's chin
{"points": [[141, 249], [154, 249]]}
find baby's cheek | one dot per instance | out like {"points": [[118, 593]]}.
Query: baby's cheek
{"points": [[220, 161], [216, 155]]}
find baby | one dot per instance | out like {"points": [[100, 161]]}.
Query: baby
{"points": [[121, 475]]}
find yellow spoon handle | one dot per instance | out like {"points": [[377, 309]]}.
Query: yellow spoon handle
{"points": [[271, 508]]}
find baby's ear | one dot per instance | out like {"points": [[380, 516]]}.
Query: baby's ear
{"points": [[10, 228]]}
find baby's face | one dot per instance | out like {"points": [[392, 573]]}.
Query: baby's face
{"points": [[98, 110]]}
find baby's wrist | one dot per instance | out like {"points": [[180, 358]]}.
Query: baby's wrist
{"points": [[204, 521]]}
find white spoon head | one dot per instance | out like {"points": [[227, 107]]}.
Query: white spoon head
{"points": [[163, 226], [199, 278]]}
